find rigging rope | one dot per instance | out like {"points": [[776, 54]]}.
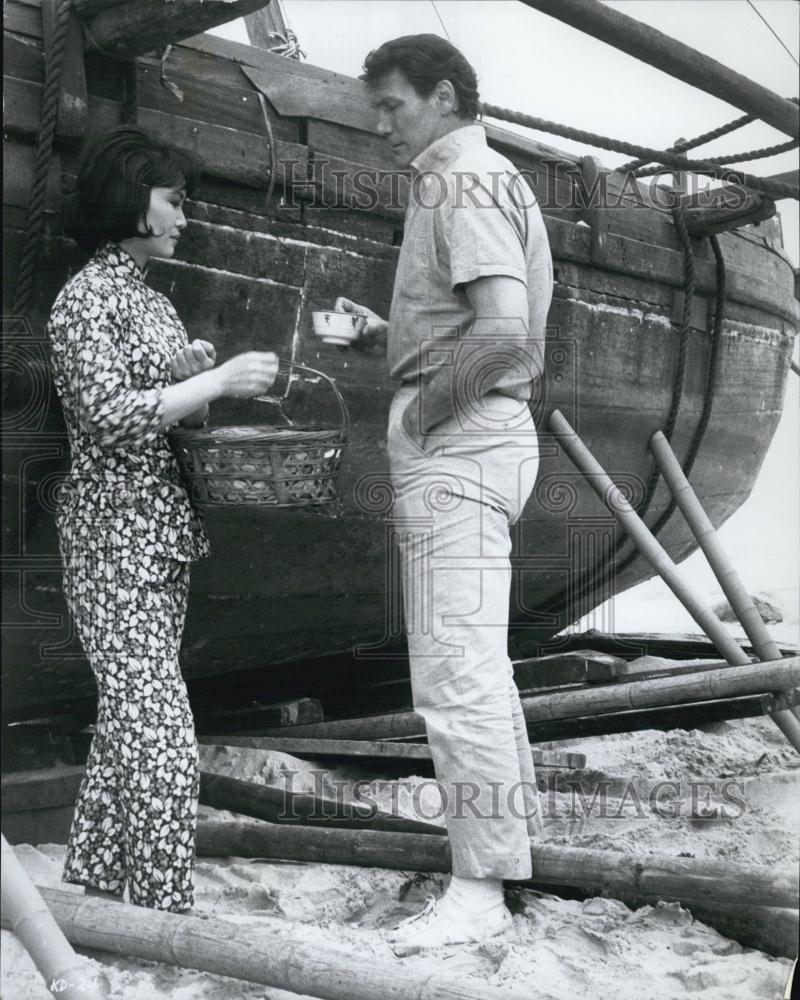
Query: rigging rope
{"points": [[776, 189], [753, 154], [44, 145]]}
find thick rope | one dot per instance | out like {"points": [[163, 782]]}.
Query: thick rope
{"points": [[776, 189], [44, 146], [712, 372], [699, 140], [753, 154]]}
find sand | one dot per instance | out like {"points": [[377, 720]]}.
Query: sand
{"points": [[558, 948]]}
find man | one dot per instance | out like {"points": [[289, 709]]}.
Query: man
{"points": [[464, 339]]}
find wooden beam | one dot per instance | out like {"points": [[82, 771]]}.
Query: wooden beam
{"points": [[73, 99], [633, 878], [262, 23], [130, 29], [280, 959], [681, 61]]}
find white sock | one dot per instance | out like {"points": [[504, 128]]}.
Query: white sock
{"points": [[473, 896]]}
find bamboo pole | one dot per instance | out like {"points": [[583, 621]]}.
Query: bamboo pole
{"points": [[681, 61], [66, 974], [256, 954], [742, 603], [633, 878], [658, 558], [130, 29], [655, 692]]}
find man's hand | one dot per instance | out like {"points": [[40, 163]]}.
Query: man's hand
{"points": [[373, 336], [193, 359]]}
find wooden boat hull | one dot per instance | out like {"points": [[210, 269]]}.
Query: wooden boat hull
{"points": [[289, 584]]}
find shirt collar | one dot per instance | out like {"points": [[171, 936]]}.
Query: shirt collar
{"points": [[120, 260], [445, 149]]}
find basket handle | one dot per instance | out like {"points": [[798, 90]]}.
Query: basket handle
{"points": [[283, 363]]}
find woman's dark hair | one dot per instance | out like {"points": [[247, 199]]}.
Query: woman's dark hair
{"points": [[425, 60], [115, 175]]}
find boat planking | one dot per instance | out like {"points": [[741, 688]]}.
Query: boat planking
{"points": [[281, 224]]}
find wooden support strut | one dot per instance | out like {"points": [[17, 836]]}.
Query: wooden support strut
{"points": [[658, 558], [742, 603], [681, 61]]}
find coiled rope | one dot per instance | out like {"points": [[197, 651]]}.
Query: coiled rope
{"points": [[44, 147], [776, 189]]}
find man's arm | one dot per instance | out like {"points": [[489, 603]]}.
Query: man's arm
{"points": [[495, 343]]}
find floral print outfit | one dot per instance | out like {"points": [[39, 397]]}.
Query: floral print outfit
{"points": [[127, 533]]}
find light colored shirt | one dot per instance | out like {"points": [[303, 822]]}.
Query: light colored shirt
{"points": [[470, 215]]}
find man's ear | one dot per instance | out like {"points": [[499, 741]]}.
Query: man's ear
{"points": [[447, 97]]}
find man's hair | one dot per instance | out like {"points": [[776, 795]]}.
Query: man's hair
{"points": [[116, 173], [425, 60]]}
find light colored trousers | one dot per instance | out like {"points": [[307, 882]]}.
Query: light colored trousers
{"points": [[454, 505]]}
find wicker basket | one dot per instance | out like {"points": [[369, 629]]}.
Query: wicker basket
{"points": [[262, 465]]}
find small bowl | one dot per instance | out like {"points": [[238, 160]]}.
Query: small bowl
{"points": [[340, 328]]}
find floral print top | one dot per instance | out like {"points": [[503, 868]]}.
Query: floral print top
{"points": [[112, 339]]}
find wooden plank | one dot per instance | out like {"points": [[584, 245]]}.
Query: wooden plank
{"points": [[23, 61], [578, 667], [311, 749], [344, 184], [23, 109], [348, 143], [18, 167], [235, 106], [73, 101], [22, 19], [632, 645], [227, 152]]}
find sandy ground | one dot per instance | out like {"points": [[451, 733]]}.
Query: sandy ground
{"points": [[557, 948]]}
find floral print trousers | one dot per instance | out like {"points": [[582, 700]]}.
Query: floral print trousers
{"points": [[136, 811]]}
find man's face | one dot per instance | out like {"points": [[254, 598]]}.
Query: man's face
{"points": [[408, 122]]}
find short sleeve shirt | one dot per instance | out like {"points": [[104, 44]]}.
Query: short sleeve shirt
{"points": [[112, 339], [470, 215]]}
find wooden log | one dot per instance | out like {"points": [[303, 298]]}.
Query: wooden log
{"points": [[27, 915], [673, 57], [281, 960], [633, 878], [654, 553], [130, 29], [370, 750], [770, 929], [281, 805], [708, 685]]}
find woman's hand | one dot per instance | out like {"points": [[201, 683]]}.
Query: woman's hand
{"points": [[375, 329], [248, 374], [193, 359]]}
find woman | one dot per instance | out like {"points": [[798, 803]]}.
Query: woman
{"points": [[125, 372]]}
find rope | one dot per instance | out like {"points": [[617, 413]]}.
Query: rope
{"points": [[44, 145], [777, 189], [753, 154], [712, 372], [273, 158], [699, 140]]}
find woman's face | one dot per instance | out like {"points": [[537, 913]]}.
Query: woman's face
{"points": [[165, 220]]}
